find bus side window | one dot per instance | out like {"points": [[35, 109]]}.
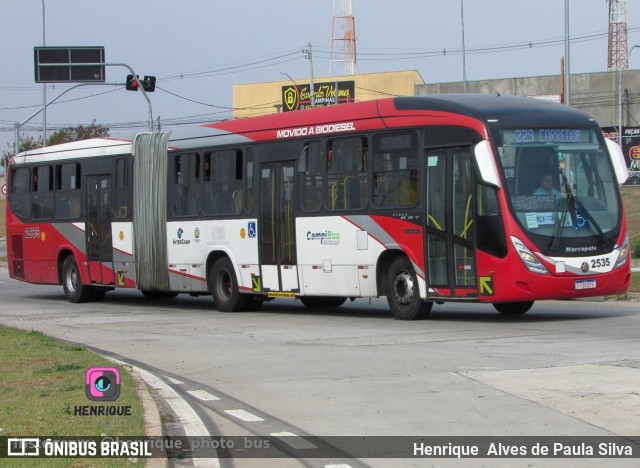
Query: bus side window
{"points": [[248, 182], [395, 174], [122, 203], [311, 167], [223, 182], [490, 236], [347, 161], [186, 181], [68, 191], [19, 192], [42, 198]]}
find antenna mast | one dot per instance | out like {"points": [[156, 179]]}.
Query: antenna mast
{"points": [[617, 34], [343, 39]]}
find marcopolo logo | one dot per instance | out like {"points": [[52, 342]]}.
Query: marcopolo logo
{"points": [[102, 384]]}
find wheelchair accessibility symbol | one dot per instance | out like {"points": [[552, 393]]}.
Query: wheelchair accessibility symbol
{"points": [[581, 219], [252, 229]]}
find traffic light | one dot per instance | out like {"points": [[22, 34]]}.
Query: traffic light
{"points": [[132, 83], [149, 84]]}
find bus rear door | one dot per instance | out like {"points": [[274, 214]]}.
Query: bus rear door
{"points": [[278, 271], [98, 229], [450, 231]]}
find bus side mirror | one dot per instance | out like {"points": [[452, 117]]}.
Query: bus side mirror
{"points": [[617, 159], [486, 164]]}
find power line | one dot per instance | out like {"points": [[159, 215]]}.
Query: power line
{"points": [[390, 56], [66, 100], [279, 58], [234, 68]]}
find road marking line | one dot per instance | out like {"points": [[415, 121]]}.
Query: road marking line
{"points": [[338, 466], [173, 381], [202, 395], [294, 440], [244, 415], [191, 422]]}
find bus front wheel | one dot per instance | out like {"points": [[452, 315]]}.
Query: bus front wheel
{"points": [[513, 308], [403, 294], [223, 285], [74, 290]]}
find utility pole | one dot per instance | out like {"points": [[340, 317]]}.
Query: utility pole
{"points": [[567, 58], [464, 53], [312, 90], [44, 87]]}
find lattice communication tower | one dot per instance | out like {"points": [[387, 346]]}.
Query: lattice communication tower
{"points": [[343, 39], [617, 34]]}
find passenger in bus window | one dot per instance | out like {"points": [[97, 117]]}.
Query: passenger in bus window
{"points": [[546, 187]]}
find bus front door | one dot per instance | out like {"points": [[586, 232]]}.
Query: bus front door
{"points": [[98, 229], [278, 271], [450, 231]]}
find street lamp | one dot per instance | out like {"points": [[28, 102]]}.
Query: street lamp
{"points": [[620, 94], [464, 53], [567, 55], [44, 85], [294, 83]]}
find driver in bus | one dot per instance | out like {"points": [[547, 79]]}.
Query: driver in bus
{"points": [[546, 187]]}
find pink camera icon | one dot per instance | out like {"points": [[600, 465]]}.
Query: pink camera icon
{"points": [[102, 383]]}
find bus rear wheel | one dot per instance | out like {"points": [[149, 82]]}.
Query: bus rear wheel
{"points": [[72, 285], [513, 308], [223, 285], [403, 294], [316, 302]]}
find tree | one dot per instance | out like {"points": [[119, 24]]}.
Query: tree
{"points": [[69, 134], [64, 135], [27, 142]]}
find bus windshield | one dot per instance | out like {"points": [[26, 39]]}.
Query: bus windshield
{"points": [[561, 187]]}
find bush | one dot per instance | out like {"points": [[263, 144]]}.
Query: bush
{"points": [[635, 248]]}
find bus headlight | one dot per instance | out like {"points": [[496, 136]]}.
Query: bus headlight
{"points": [[623, 250], [527, 257]]}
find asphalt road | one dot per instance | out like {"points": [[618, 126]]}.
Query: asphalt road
{"points": [[565, 369]]}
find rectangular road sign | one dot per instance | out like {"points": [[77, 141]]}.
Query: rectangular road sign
{"points": [[69, 64]]}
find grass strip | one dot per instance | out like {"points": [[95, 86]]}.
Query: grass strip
{"points": [[42, 382]]}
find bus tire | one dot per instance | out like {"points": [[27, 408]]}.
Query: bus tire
{"points": [[513, 308], [223, 286], [72, 285], [316, 302], [403, 294]]}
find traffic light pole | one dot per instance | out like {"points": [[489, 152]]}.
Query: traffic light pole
{"points": [[144, 93], [19, 125]]}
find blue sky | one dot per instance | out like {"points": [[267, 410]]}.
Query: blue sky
{"points": [[199, 48]]}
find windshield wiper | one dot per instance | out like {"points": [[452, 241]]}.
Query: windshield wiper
{"points": [[569, 206]]}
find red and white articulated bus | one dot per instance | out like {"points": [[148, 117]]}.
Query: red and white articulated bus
{"points": [[473, 198]]}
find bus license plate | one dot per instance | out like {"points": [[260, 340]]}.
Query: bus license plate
{"points": [[586, 284]]}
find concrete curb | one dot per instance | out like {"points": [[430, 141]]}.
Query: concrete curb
{"points": [[150, 413]]}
